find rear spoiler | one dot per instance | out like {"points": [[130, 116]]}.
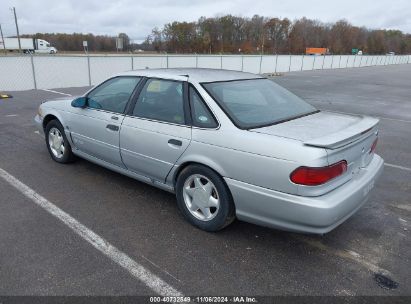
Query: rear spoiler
{"points": [[346, 136]]}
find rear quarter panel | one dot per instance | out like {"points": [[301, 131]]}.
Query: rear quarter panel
{"points": [[257, 159]]}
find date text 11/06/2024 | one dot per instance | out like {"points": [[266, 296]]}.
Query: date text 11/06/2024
{"points": [[182, 299]]}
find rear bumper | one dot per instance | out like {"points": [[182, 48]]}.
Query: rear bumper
{"points": [[319, 214]]}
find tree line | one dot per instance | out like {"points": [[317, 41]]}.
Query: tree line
{"points": [[259, 34], [233, 35]]}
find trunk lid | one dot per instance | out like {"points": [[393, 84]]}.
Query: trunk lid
{"points": [[323, 129], [344, 137]]}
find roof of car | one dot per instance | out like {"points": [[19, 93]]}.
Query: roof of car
{"points": [[197, 75]]}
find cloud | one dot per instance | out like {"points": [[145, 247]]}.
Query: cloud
{"points": [[137, 18]]}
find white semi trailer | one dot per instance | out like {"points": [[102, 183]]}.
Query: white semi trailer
{"points": [[28, 45]]}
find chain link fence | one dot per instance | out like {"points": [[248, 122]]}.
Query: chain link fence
{"points": [[16, 73], [48, 72]]}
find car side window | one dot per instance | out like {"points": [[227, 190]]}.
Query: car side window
{"points": [[161, 100], [200, 113], [113, 95]]}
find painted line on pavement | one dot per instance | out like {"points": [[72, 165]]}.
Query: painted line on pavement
{"points": [[56, 92], [395, 119], [138, 271], [381, 117], [345, 254], [398, 167]]}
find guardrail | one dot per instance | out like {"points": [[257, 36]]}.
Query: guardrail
{"points": [[47, 72]]}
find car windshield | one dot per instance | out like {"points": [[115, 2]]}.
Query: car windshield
{"points": [[257, 102]]}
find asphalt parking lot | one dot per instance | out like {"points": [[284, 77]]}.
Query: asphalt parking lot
{"points": [[41, 256]]}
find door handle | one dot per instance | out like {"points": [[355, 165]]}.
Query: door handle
{"points": [[114, 117], [112, 127], [175, 142]]}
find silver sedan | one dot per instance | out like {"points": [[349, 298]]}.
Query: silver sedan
{"points": [[228, 144]]}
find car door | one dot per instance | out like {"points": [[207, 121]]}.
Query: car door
{"points": [[95, 128], [157, 131]]}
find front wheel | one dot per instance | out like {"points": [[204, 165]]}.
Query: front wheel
{"points": [[57, 143], [204, 199]]}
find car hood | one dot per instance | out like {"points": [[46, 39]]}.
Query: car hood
{"points": [[59, 103], [322, 129]]}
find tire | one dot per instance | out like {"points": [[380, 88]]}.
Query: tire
{"points": [[199, 188], [60, 153]]}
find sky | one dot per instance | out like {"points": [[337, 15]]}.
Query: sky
{"points": [[138, 17]]}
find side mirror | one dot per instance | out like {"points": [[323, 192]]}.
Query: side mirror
{"points": [[80, 102]]}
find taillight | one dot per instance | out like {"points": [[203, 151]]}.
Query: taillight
{"points": [[374, 145], [316, 176]]}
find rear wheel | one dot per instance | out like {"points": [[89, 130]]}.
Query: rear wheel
{"points": [[204, 199], [57, 143]]}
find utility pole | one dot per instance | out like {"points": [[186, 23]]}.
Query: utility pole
{"points": [[2, 40], [17, 27], [262, 44]]}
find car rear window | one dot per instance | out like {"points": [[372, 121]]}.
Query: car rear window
{"points": [[257, 102]]}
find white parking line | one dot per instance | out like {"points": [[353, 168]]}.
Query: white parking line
{"points": [[136, 270], [343, 253], [398, 167], [395, 119], [56, 92], [12, 115], [381, 117]]}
